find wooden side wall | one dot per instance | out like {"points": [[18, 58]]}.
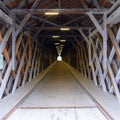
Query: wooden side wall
{"points": [[31, 59], [88, 59]]}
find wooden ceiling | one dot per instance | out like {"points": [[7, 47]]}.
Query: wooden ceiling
{"points": [[72, 15]]}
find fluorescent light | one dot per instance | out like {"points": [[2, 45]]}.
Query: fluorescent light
{"points": [[51, 13], [55, 36], [64, 29], [62, 40], [57, 43]]}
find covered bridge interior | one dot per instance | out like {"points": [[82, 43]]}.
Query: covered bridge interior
{"points": [[85, 33]]}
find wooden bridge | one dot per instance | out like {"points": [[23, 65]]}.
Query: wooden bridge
{"points": [[60, 59]]}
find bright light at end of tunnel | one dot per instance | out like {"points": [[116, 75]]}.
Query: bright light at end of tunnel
{"points": [[59, 58]]}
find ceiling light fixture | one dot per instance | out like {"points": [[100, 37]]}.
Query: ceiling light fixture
{"points": [[64, 29], [57, 43], [55, 36], [62, 40], [51, 13]]}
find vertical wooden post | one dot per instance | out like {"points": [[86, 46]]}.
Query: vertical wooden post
{"points": [[105, 42], [13, 42]]}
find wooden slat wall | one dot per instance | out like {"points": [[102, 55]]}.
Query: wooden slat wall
{"points": [[89, 60], [31, 59]]}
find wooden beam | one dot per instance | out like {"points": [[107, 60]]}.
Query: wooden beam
{"points": [[5, 79], [33, 60], [96, 23], [7, 1], [58, 28], [114, 42], [26, 18], [22, 24], [111, 1], [113, 7], [112, 53], [21, 3], [13, 43], [5, 39], [73, 20], [19, 69], [114, 18], [43, 20], [99, 68], [97, 4], [84, 36], [112, 78], [105, 42], [15, 33], [60, 11], [59, 4], [5, 18]]}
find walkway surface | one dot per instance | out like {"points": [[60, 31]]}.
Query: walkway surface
{"points": [[58, 97]]}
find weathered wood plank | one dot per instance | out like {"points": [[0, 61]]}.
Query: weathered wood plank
{"points": [[19, 69], [113, 81], [25, 74], [114, 42], [5, 18], [97, 25], [32, 66], [5, 79], [84, 36], [5, 39], [99, 68], [13, 43]]}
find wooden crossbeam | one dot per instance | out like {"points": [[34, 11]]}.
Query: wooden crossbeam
{"points": [[5, 18], [97, 25], [84, 36], [114, 42], [97, 4], [19, 69], [112, 53], [99, 68], [16, 32], [61, 11], [43, 20], [8, 71], [5, 79], [33, 60], [112, 78], [58, 28], [25, 74], [114, 18], [5, 39]]}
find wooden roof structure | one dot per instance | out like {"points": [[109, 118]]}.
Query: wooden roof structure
{"points": [[72, 14]]}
